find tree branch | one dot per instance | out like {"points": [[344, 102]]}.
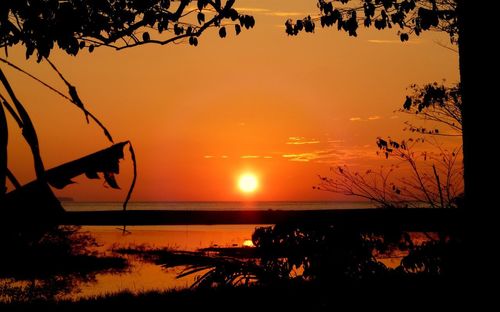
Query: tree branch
{"points": [[29, 132]]}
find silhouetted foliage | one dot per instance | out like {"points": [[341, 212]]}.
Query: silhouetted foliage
{"points": [[437, 184], [47, 263], [434, 179], [80, 24], [298, 297], [327, 256], [75, 25], [438, 257], [414, 17], [436, 103], [409, 16], [37, 193], [286, 254], [59, 250]]}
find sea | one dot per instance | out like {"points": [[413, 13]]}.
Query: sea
{"points": [[217, 205]]}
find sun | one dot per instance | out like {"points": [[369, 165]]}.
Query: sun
{"points": [[248, 243], [248, 183]]}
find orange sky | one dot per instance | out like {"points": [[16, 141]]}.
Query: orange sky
{"points": [[284, 108]]}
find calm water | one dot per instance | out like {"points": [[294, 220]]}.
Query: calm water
{"points": [[284, 205], [143, 276]]}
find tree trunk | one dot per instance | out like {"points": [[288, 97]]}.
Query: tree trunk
{"points": [[4, 136], [477, 76], [471, 177]]}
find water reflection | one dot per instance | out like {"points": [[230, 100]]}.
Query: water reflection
{"points": [[176, 237], [143, 275], [106, 261], [46, 263], [100, 275]]}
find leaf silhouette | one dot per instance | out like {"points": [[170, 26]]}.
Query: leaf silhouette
{"points": [[222, 32], [109, 177], [201, 18], [91, 175]]}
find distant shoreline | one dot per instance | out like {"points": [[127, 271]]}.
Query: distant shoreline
{"points": [[216, 205], [421, 219]]}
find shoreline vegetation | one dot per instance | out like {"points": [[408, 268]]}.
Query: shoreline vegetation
{"points": [[257, 278], [336, 248], [309, 262], [391, 295]]}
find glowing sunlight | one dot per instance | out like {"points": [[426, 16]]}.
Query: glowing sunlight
{"points": [[248, 243], [248, 183]]}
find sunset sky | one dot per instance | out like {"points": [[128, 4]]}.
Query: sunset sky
{"points": [[282, 108]]}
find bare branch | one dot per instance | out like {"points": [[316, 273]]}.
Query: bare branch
{"points": [[75, 99], [35, 78]]}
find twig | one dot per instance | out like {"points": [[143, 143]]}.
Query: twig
{"points": [[132, 154], [35, 78], [438, 185], [86, 112], [11, 111], [75, 99], [13, 179]]}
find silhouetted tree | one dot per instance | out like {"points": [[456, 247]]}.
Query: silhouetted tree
{"points": [[437, 103], [75, 25], [413, 17], [434, 179], [42, 267]]}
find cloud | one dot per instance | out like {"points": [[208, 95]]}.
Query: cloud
{"points": [[251, 10], [301, 141], [249, 156], [269, 12], [304, 157], [313, 156], [212, 156], [370, 118], [394, 117], [286, 14], [335, 156]]}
